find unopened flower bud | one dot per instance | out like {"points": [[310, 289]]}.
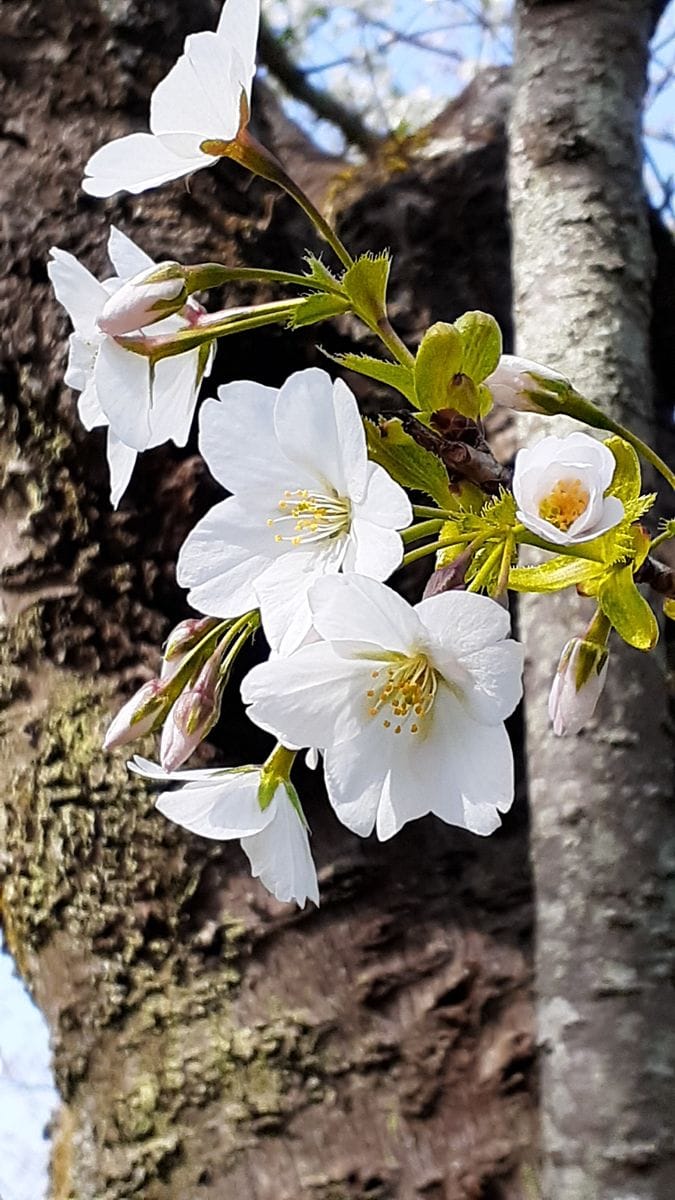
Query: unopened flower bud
{"points": [[526, 386], [138, 716], [150, 296], [577, 685], [182, 639], [192, 717]]}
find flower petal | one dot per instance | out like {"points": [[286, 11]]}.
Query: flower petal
{"points": [[238, 25], [221, 809], [351, 438], [200, 94], [136, 163], [280, 856], [372, 550], [126, 257], [217, 567], [353, 608], [304, 419], [496, 681], [356, 778], [77, 290], [174, 398], [121, 462], [123, 386], [284, 604], [385, 503], [464, 621], [239, 443], [311, 698]]}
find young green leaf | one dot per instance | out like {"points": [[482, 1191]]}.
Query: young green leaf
{"points": [[392, 374], [407, 463], [366, 286], [482, 341], [628, 611]]}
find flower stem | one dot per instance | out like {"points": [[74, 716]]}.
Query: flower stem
{"points": [[258, 159], [395, 345], [280, 762], [578, 406], [422, 510], [531, 539], [421, 552], [484, 572], [414, 532]]}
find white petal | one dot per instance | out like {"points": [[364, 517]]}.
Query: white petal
{"points": [[497, 686], [304, 418], [123, 386], [353, 608], [151, 770], [284, 604], [280, 856], [136, 163], [200, 95], [238, 25], [217, 567], [222, 808], [385, 503], [312, 698], [464, 621], [77, 290], [239, 444], [474, 760], [174, 398], [357, 774], [607, 513], [121, 461], [351, 438], [80, 368], [372, 550], [89, 410], [126, 257]]}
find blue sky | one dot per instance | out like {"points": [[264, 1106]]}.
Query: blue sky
{"points": [[26, 1093]]}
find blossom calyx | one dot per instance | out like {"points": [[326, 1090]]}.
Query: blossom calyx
{"points": [[140, 715], [577, 686], [150, 296]]}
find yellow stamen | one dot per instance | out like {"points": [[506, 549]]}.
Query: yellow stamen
{"points": [[409, 691], [565, 502]]}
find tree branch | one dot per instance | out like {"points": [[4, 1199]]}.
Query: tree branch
{"points": [[293, 79]]}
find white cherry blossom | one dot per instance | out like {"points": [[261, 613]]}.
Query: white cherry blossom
{"points": [[407, 704], [223, 804], [115, 384], [201, 104], [306, 502], [559, 486]]}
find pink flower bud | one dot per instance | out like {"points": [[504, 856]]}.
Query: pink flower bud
{"points": [[144, 299], [577, 686], [182, 640], [526, 386], [192, 717], [138, 716]]}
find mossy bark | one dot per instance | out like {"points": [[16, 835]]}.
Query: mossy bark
{"points": [[603, 837]]}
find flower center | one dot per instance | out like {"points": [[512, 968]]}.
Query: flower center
{"points": [[310, 517], [566, 501], [404, 693]]}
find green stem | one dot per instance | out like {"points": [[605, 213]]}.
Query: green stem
{"points": [[168, 345], [208, 275], [666, 536], [422, 510], [531, 539], [395, 345], [250, 153], [485, 571], [421, 552], [280, 762], [414, 532], [575, 405]]}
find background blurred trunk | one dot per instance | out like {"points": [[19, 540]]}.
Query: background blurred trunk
{"points": [[603, 844], [208, 1042]]}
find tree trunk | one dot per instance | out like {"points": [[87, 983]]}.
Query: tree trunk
{"points": [[209, 1042], [603, 836]]}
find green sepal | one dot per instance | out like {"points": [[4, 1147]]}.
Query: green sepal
{"points": [[392, 374], [267, 789], [365, 283], [482, 341], [628, 611], [438, 362], [627, 479], [669, 608], [552, 576], [319, 274], [407, 463], [319, 307]]}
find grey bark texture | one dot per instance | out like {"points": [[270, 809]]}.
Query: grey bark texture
{"points": [[603, 830]]}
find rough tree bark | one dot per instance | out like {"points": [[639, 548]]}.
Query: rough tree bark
{"points": [[209, 1043], [603, 837]]}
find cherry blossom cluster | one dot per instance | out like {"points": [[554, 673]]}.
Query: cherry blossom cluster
{"points": [[404, 705]]}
